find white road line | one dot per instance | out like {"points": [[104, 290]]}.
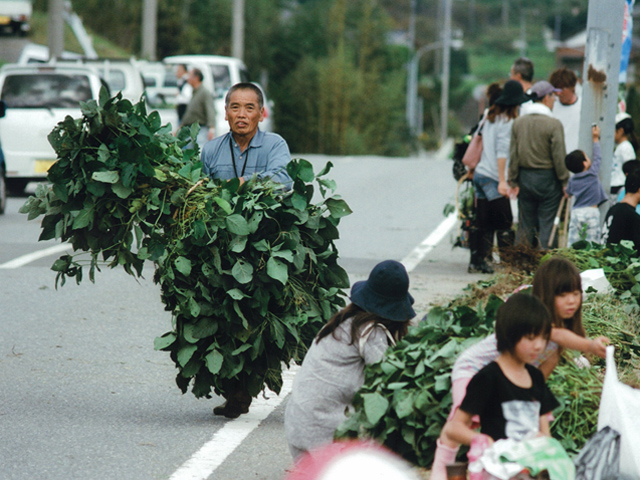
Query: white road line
{"points": [[412, 260], [206, 460], [32, 257]]}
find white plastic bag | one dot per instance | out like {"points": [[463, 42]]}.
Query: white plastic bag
{"points": [[596, 279], [619, 409]]}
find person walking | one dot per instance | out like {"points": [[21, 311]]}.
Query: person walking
{"points": [[537, 170], [201, 109], [493, 208]]}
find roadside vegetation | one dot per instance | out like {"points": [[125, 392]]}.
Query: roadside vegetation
{"points": [[406, 398]]}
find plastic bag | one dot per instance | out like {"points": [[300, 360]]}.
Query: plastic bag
{"points": [[619, 409], [599, 459], [596, 280], [506, 458]]}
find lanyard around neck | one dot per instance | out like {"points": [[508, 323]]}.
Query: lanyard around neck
{"points": [[233, 157]]}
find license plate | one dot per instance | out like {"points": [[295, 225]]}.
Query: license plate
{"points": [[43, 166], [4, 20]]}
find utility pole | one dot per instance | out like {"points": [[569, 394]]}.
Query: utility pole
{"points": [[412, 71], [149, 29], [237, 30], [446, 65], [600, 76], [55, 28]]}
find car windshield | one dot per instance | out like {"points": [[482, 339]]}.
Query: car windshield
{"points": [[115, 78], [221, 79], [45, 90]]}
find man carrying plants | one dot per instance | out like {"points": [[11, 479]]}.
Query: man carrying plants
{"points": [[241, 153]]}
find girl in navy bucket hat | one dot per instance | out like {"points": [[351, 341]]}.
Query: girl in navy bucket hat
{"points": [[333, 368]]}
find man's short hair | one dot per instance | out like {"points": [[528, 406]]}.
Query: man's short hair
{"points": [[524, 67], [197, 73], [632, 183], [245, 86], [630, 166], [575, 161], [563, 78]]}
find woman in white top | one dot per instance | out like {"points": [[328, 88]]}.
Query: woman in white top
{"points": [[493, 209], [626, 144]]}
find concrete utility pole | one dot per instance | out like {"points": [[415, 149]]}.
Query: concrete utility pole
{"points": [[237, 30], [55, 28], [412, 71], [149, 29], [600, 79], [446, 66]]}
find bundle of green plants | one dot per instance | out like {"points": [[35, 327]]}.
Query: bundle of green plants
{"points": [[249, 273], [406, 397]]}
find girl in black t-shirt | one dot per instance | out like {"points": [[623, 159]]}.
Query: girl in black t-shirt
{"points": [[509, 395]]}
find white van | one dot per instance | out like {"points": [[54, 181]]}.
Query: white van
{"points": [[219, 74], [37, 98]]}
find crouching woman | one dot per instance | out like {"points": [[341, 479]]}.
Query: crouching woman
{"points": [[333, 369]]}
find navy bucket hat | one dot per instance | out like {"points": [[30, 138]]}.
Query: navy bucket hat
{"points": [[386, 292]]}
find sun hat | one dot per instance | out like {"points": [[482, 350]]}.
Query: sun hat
{"points": [[386, 292], [543, 88], [622, 116], [512, 94]]}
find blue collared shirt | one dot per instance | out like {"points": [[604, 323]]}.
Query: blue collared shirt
{"points": [[267, 156]]}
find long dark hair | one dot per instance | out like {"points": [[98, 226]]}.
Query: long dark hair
{"points": [[554, 277], [628, 128], [360, 319], [510, 111]]}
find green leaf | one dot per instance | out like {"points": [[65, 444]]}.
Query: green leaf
{"points": [[242, 271], [298, 201], [277, 270], [375, 407], [183, 265], [84, 218], [120, 190], [237, 224], [223, 204], [338, 207], [214, 361], [236, 294], [185, 354], [106, 177], [305, 173], [165, 341]]}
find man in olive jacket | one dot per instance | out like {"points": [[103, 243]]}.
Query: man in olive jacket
{"points": [[537, 169]]}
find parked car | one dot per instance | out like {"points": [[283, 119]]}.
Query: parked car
{"points": [[3, 169], [37, 97], [220, 73], [15, 16], [34, 53], [160, 83], [121, 74]]}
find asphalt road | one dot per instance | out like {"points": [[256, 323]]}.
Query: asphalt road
{"points": [[84, 395]]}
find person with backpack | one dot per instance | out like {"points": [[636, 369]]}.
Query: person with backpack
{"points": [[493, 208]]}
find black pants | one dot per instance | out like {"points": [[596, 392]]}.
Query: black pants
{"points": [[493, 218]]}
